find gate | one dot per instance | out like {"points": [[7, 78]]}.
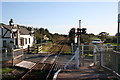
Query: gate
{"points": [[11, 57]]}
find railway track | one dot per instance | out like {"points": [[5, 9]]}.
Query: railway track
{"points": [[44, 68]]}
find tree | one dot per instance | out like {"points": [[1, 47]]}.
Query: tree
{"points": [[42, 31], [103, 35], [37, 35], [72, 35], [110, 39], [48, 34], [117, 34]]}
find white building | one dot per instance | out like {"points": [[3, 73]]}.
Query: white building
{"points": [[26, 38], [15, 36], [6, 41]]}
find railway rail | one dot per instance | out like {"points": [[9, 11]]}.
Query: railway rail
{"points": [[44, 68]]}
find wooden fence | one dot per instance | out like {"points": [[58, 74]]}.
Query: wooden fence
{"points": [[10, 58], [14, 56], [36, 50]]}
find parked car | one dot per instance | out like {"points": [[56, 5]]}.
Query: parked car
{"points": [[97, 41], [109, 45]]}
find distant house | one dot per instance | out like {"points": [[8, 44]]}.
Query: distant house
{"points": [[26, 37], [45, 37], [15, 36]]}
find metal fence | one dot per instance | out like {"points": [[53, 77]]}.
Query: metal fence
{"points": [[85, 49], [104, 56], [111, 61], [85, 57]]}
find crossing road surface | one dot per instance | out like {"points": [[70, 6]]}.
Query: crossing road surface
{"points": [[85, 73]]}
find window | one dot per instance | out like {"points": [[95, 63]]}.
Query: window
{"points": [[29, 40], [25, 40], [22, 41]]}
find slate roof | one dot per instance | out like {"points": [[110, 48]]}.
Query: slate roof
{"points": [[23, 29], [6, 26]]}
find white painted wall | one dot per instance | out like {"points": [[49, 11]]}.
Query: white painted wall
{"points": [[31, 40]]}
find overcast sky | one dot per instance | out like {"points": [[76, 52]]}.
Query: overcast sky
{"points": [[60, 17]]}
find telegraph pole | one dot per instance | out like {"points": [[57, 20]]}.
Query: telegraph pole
{"points": [[79, 32], [79, 41]]}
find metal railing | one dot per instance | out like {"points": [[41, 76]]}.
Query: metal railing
{"points": [[79, 60], [108, 59], [111, 61], [103, 56]]}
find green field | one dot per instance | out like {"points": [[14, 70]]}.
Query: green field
{"points": [[113, 44]]}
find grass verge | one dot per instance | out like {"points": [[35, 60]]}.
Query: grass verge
{"points": [[6, 70]]}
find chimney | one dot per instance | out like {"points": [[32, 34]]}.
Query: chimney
{"points": [[11, 22]]}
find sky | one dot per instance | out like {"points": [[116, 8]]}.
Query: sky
{"points": [[60, 17]]}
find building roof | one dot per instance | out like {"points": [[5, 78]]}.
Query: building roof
{"points": [[6, 26], [23, 29]]}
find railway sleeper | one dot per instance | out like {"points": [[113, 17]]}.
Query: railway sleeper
{"points": [[38, 75], [42, 67]]}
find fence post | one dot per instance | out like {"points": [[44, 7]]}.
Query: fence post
{"points": [[28, 48], [37, 49], [22, 53], [95, 55], [77, 58], [72, 48], [12, 57], [6, 51], [101, 56], [116, 56], [82, 56]]}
